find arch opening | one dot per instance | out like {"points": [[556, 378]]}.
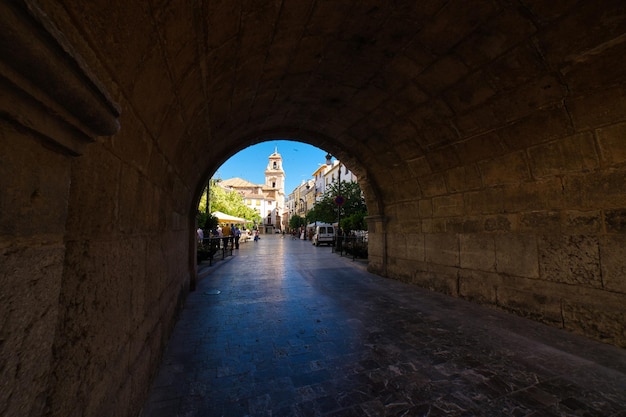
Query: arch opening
{"points": [[504, 122], [370, 194]]}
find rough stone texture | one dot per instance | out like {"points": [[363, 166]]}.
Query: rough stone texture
{"points": [[480, 287], [570, 154], [612, 144], [34, 186], [613, 253], [571, 260], [516, 296], [488, 138], [516, 254], [588, 317], [442, 249], [478, 252], [415, 247]]}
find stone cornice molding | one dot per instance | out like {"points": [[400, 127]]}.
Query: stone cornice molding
{"points": [[376, 223], [45, 85]]}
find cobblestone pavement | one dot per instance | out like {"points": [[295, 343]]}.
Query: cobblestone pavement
{"points": [[296, 330]]}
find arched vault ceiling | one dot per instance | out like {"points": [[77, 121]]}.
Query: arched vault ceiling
{"points": [[405, 88]]}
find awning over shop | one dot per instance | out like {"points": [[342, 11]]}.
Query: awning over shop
{"points": [[227, 218]]}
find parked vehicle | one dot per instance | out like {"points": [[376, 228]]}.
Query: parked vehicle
{"points": [[324, 234]]}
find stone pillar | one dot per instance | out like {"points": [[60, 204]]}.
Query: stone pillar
{"points": [[51, 108], [35, 188], [377, 244]]}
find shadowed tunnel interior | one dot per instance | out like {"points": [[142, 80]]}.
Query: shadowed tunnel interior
{"points": [[487, 136]]}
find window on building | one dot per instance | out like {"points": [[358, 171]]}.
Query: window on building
{"points": [[274, 184], [275, 165], [258, 202]]}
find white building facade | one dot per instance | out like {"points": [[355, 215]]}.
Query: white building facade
{"points": [[308, 193], [266, 199]]}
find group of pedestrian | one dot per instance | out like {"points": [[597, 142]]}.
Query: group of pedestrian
{"points": [[225, 234]]}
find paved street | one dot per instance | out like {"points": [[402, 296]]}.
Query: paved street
{"points": [[287, 329]]}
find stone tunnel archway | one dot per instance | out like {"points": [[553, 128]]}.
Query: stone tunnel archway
{"points": [[491, 133], [370, 190]]}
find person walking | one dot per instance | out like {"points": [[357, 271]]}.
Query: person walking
{"points": [[237, 236], [220, 234], [226, 235]]}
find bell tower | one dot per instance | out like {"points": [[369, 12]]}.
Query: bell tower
{"points": [[275, 182], [274, 174]]}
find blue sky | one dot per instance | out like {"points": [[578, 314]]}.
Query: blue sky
{"points": [[300, 160]]}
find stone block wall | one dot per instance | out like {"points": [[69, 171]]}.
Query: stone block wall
{"points": [[34, 190], [125, 277], [490, 136], [95, 234], [538, 232], [93, 271]]}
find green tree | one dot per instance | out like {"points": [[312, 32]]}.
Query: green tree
{"points": [[206, 221], [355, 221], [229, 202], [352, 211], [296, 221], [324, 211]]}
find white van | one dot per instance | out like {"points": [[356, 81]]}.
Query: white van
{"points": [[324, 233]]}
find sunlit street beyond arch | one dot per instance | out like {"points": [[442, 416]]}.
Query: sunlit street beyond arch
{"points": [[284, 328]]}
